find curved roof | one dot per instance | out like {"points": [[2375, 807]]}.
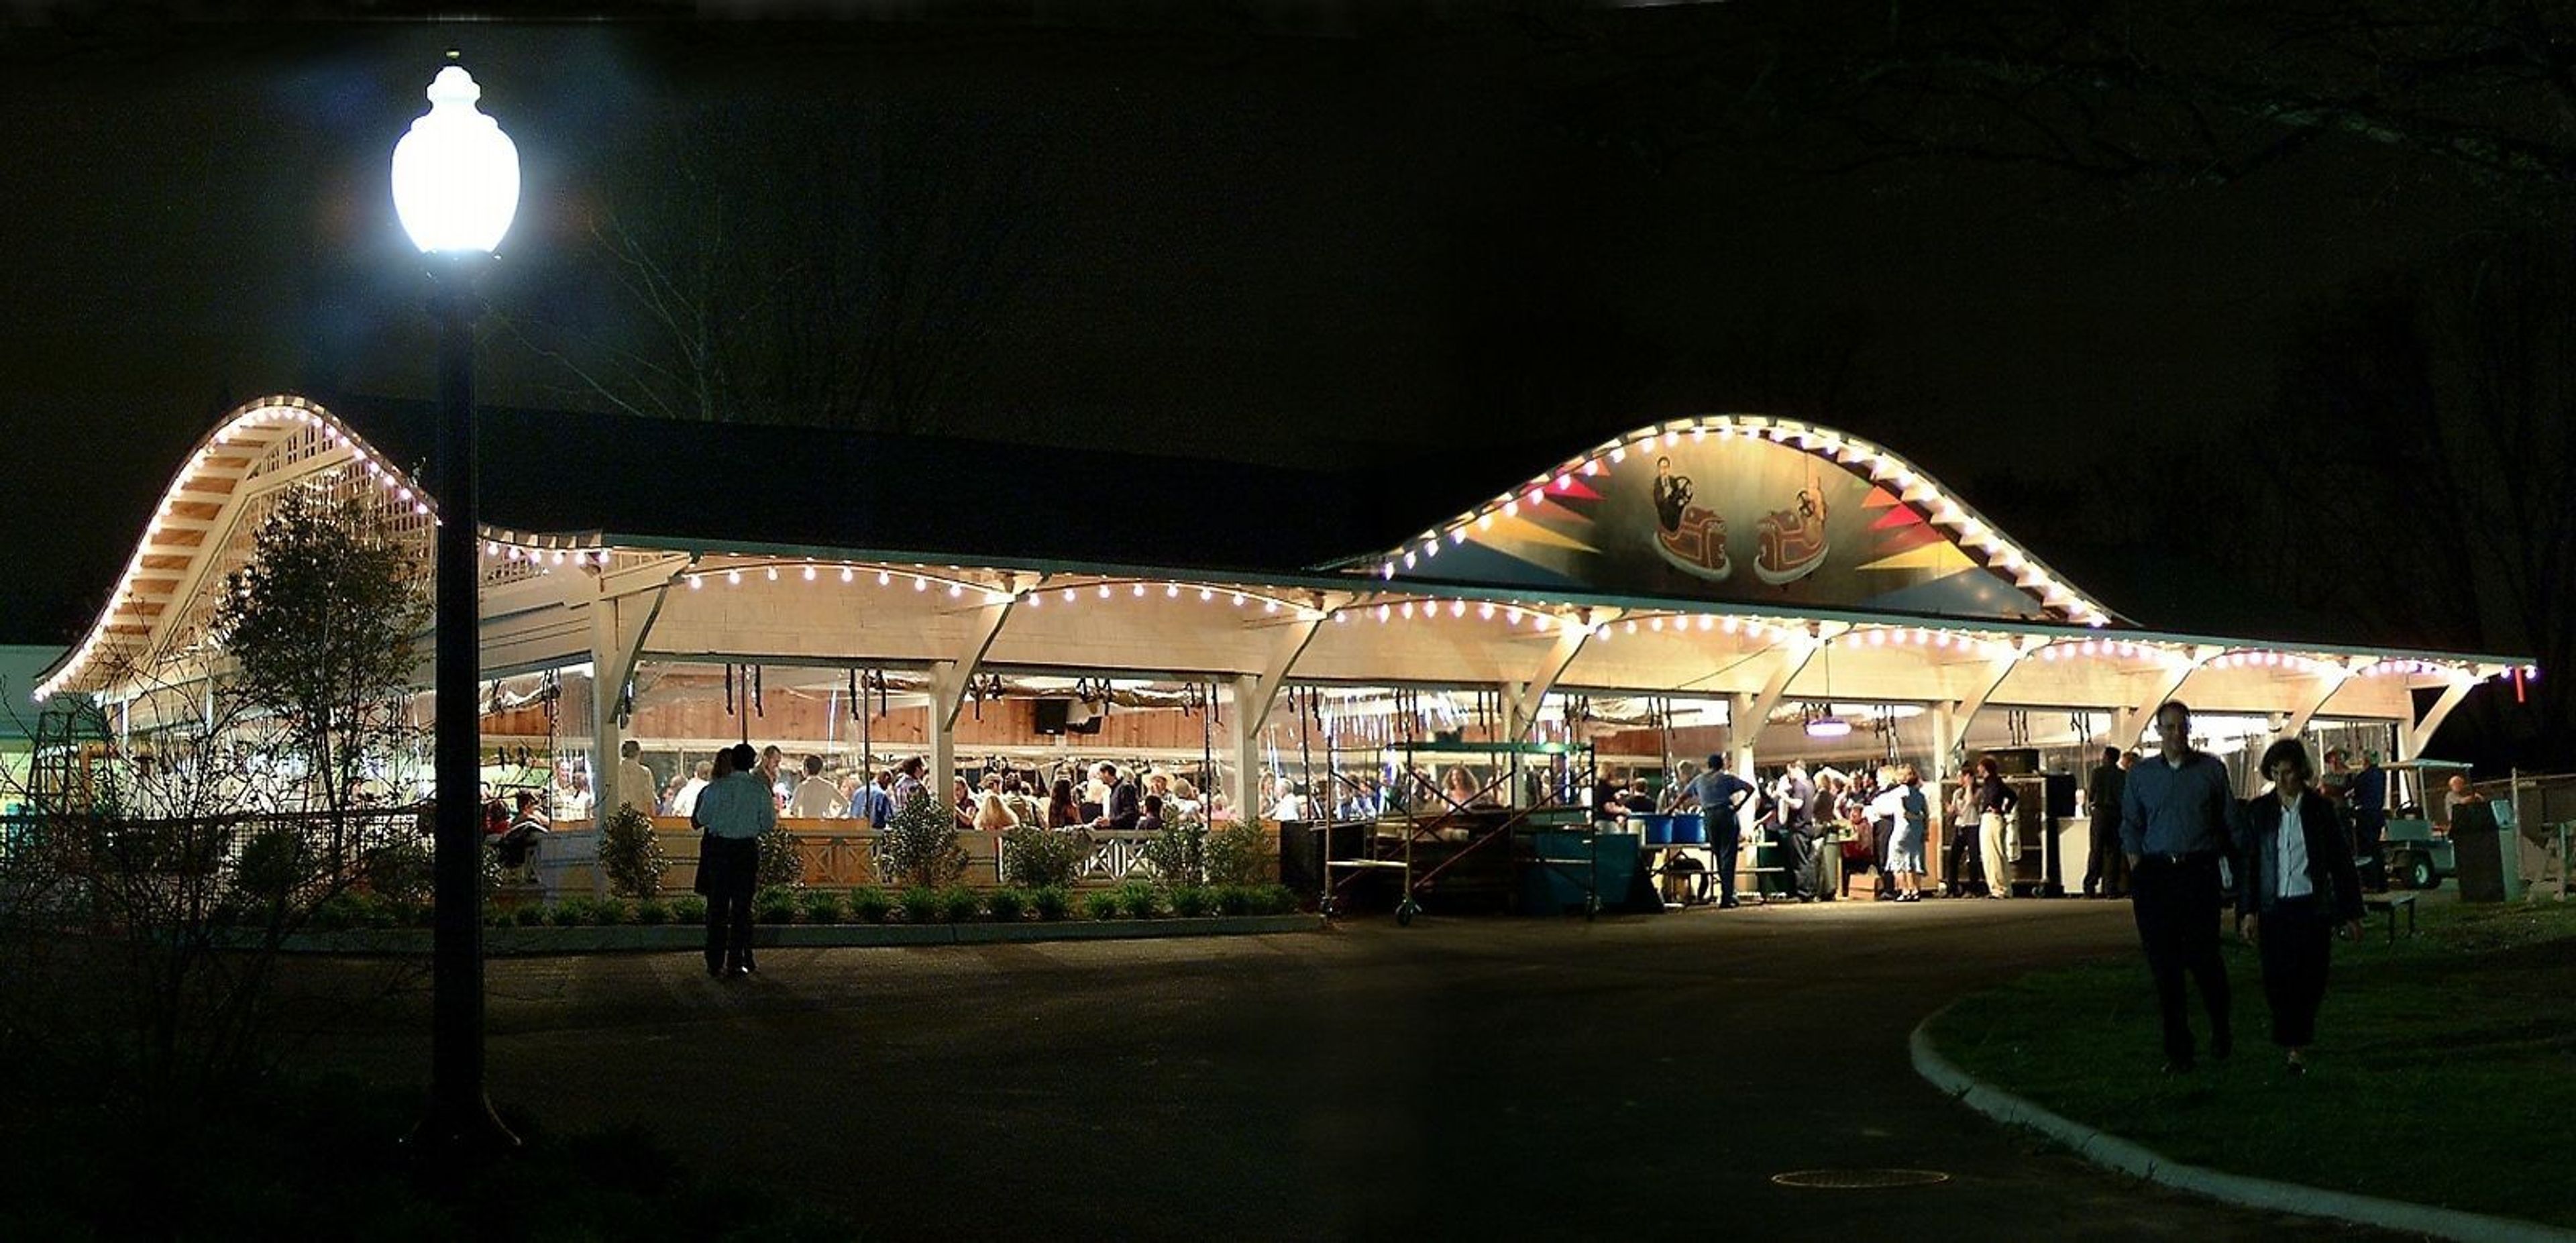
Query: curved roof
{"points": [[1585, 522], [196, 533], [634, 484]]}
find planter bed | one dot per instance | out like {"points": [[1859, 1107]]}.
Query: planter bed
{"points": [[498, 942]]}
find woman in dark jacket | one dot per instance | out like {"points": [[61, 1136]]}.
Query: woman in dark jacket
{"points": [[2291, 912]]}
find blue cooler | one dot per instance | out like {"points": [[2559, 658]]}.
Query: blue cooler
{"points": [[1659, 828], [1688, 829]]}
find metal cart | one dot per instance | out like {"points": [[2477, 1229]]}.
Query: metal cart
{"points": [[1518, 806]]}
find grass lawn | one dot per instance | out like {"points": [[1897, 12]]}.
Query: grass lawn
{"points": [[2444, 1071]]}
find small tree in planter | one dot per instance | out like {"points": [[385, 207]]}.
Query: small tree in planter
{"points": [[780, 865], [920, 845], [1238, 854], [1179, 851], [1037, 857], [632, 856]]}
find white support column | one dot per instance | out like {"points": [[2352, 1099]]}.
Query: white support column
{"points": [[1959, 714], [2413, 735], [1936, 793], [2309, 704], [1521, 700], [1747, 714], [621, 618], [615, 642], [1255, 696], [948, 682], [2131, 724]]}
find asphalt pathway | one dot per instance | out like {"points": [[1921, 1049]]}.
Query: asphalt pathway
{"points": [[1640, 1077]]}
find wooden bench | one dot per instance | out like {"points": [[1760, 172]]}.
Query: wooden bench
{"points": [[2389, 903]]}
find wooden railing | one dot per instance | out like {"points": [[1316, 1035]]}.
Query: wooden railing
{"points": [[839, 857]]}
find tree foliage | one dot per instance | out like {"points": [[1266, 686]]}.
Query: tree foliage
{"points": [[320, 625], [920, 847], [172, 847], [843, 275]]}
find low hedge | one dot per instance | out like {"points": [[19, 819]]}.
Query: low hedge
{"points": [[1135, 899]]}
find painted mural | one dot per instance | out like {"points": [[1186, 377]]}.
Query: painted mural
{"points": [[1739, 518]]}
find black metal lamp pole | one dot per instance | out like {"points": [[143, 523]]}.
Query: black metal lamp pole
{"points": [[460, 1118], [456, 187]]}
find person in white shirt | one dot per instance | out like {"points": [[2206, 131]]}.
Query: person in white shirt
{"points": [[815, 797], [635, 786], [1292, 803], [2297, 888], [686, 801]]}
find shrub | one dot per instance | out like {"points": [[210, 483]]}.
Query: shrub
{"points": [[1007, 905], [609, 912], [920, 844], [570, 913], [1051, 902], [631, 855], [1190, 901], [870, 905], [824, 906], [1179, 851], [920, 904], [1276, 900], [1101, 904], [528, 915], [780, 866], [1238, 854], [341, 911], [399, 871], [960, 904], [1038, 857], [1234, 899], [688, 908], [652, 912], [1139, 899], [774, 905]]}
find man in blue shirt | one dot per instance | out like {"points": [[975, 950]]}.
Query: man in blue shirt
{"points": [[2176, 821], [2367, 794], [1720, 795]]}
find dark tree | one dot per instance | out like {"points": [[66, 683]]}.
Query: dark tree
{"points": [[746, 266]]}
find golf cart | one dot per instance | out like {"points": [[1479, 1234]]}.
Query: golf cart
{"points": [[2416, 855]]}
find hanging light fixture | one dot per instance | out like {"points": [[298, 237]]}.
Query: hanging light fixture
{"points": [[1828, 725]]}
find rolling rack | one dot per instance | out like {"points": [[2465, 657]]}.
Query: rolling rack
{"points": [[1522, 790]]}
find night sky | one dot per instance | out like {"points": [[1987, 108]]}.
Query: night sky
{"points": [[1259, 242]]}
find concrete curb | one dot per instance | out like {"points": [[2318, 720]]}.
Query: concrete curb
{"points": [[2114, 1153], [518, 942]]}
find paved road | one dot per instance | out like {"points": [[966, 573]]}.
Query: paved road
{"points": [[1639, 1077]]}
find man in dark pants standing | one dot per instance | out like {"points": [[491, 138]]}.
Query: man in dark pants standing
{"points": [[2367, 795], [1798, 830], [2177, 818], [2106, 874], [1720, 796], [734, 810]]}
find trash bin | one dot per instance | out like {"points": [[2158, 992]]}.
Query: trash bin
{"points": [[2477, 852]]}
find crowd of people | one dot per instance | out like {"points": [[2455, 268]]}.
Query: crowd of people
{"points": [[994, 795]]}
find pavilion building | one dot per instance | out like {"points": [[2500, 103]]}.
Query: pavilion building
{"points": [[1751, 586]]}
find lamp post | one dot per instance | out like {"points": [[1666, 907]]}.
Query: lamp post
{"points": [[456, 186]]}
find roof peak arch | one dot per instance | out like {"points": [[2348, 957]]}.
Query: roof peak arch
{"points": [[1747, 508], [205, 517]]}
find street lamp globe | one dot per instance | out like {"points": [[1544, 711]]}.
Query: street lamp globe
{"points": [[456, 175]]}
